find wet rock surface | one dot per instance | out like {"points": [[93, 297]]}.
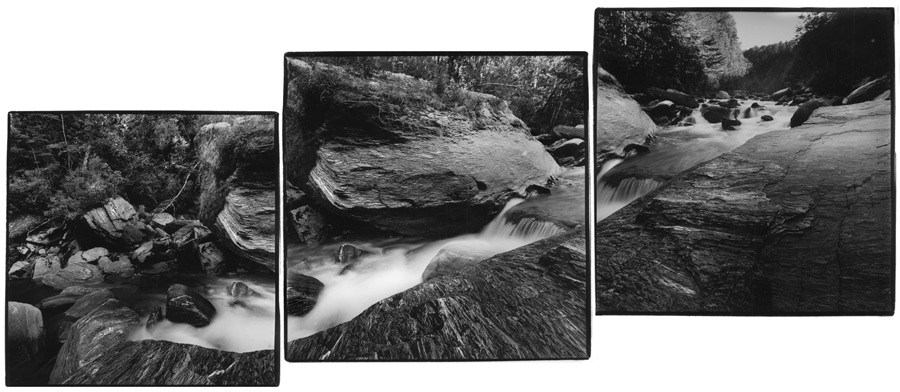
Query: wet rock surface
{"points": [[526, 303], [389, 152], [184, 305], [302, 293], [793, 221]]}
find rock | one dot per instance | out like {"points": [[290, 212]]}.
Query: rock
{"points": [[790, 222], [729, 124], [347, 254], [497, 309], [66, 298], [21, 270], [248, 223], [155, 317], [883, 96], [428, 165], [20, 225], [240, 290], [635, 149], [731, 104], [24, 334], [156, 269], [451, 258], [161, 220], [302, 293], [722, 95], [308, 224], [82, 307], [74, 275], [184, 305], [803, 112], [93, 255], [238, 183], [767, 117], [869, 91], [211, 259], [715, 114], [142, 253], [115, 222], [660, 109], [184, 237], [120, 267], [781, 94], [567, 132], [567, 148], [202, 234], [619, 119], [676, 96]]}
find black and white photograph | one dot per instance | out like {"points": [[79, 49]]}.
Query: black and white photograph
{"points": [[436, 206], [141, 248], [744, 161]]}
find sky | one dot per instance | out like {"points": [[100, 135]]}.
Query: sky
{"points": [[763, 28]]}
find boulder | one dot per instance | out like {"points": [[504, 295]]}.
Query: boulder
{"points": [[94, 254], [619, 119], [722, 95], [142, 253], [154, 317], [568, 132], [66, 298], [24, 334], [528, 303], [82, 307], [184, 305], [869, 91], [767, 117], [451, 258], [389, 152], [778, 95], [211, 259], [239, 291], [568, 148], [120, 267], [21, 270], [715, 114], [115, 223], [238, 184], [795, 222], [348, 254], [302, 293], [74, 275], [308, 224], [161, 220], [804, 111], [676, 96]]}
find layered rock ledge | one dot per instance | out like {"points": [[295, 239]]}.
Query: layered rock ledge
{"points": [[793, 222], [528, 303]]}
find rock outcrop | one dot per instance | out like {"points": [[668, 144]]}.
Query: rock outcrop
{"points": [[793, 221], [619, 119], [238, 172], [116, 223], [528, 303], [390, 152]]}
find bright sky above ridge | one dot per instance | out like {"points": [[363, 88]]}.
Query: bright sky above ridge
{"points": [[764, 28]]}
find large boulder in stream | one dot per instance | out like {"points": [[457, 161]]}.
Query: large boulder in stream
{"points": [[793, 221], [390, 152], [528, 303], [184, 305], [804, 111], [97, 351], [238, 184], [619, 119], [675, 96], [302, 293]]}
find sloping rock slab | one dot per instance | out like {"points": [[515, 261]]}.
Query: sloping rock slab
{"points": [[528, 303], [77, 274], [390, 152], [793, 222]]}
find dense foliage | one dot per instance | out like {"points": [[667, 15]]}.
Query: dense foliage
{"points": [[769, 69], [64, 164], [544, 91], [645, 49]]}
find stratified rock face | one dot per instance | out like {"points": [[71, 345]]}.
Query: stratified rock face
{"points": [[93, 337], [302, 293], [528, 303], [390, 152], [794, 221], [116, 222], [619, 119], [184, 305], [24, 333], [238, 182]]}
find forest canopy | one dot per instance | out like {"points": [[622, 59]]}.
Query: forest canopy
{"points": [[543, 91]]}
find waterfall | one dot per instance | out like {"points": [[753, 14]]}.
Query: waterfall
{"points": [[612, 198]]}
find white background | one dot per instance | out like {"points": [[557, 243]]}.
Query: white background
{"points": [[179, 55]]}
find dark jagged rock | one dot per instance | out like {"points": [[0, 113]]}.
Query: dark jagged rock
{"points": [[795, 221], [869, 91], [78, 274], [526, 303], [93, 337], [302, 293], [308, 224], [24, 334], [238, 168], [240, 290], [619, 120], [767, 118], [116, 223], [675, 96], [390, 152], [347, 254], [184, 305], [155, 317], [715, 114], [803, 112], [211, 259]]}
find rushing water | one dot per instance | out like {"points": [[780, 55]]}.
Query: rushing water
{"points": [[396, 264], [237, 327], [677, 149]]}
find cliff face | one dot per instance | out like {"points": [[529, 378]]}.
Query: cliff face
{"points": [[793, 221], [716, 33]]}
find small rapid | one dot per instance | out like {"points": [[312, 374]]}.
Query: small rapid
{"points": [[393, 265], [676, 149]]}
